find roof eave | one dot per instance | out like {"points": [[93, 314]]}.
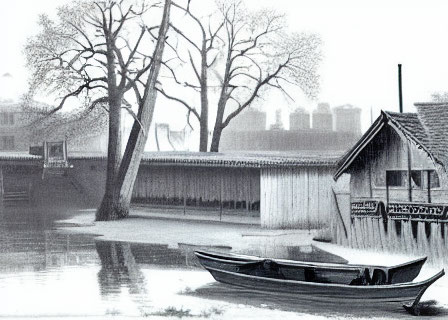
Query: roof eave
{"points": [[350, 156]]}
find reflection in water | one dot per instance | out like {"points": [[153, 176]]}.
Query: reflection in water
{"points": [[304, 304], [118, 269], [29, 243], [46, 272]]}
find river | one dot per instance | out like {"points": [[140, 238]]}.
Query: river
{"points": [[48, 273]]}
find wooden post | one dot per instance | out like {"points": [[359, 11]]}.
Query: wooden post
{"points": [[409, 172], [247, 189], [429, 185], [184, 190], [387, 188], [220, 196], [400, 91], [1, 183]]}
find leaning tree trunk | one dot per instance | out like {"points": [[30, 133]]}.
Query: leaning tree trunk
{"points": [[105, 211], [137, 139]]}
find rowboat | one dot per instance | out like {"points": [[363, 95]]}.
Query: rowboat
{"points": [[348, 274], [409, 294]]}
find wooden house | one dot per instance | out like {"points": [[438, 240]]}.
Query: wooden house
{"points": [[398, 146], [396, 184]]}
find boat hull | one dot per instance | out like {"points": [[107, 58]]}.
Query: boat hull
{"points": [[408, 294], [312, 272]]}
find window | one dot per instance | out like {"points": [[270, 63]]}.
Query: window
{"points": [[399, 179], [396, 178], [7, 143], [7, 118], [417, 182], [434, 180], [4, 119]]}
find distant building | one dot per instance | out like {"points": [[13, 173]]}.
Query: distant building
{"points": [[169, 140], [12, 137], [322, 117], [300, 136], [299, 119], [347, 118], [248, 120], [286, 140], [278, 125], [16, 134]]}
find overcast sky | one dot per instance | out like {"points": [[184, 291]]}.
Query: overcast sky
{"points": [[363, 43]]}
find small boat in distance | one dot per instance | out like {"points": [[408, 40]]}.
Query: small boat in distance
{"points": [[348, 274], [409, 294]]}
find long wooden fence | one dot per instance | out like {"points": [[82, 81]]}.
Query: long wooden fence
{"points": [[198, 186], [410, 234]]}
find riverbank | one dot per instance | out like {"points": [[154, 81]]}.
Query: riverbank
{"points": [[171, 227], [174, 229]]}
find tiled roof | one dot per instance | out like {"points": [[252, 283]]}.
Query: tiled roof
{"points": [[211, 159], [410, 123], [434, 118], [17, 156], [254, 160]]}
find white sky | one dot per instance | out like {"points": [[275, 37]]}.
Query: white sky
{"points": [[363, 43]]}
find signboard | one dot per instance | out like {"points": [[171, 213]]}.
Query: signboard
{"points": [[397, 210], [366, 208], [55, 151], [55, 158]]}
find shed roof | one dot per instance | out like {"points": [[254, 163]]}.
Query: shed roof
{"points": [[428, 129], [212, 159], [236, 159]]}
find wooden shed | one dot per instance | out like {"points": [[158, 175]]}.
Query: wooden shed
{"points": [[289, 190], [398, 146]]}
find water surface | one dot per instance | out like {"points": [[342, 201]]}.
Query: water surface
{"points": [[48, 273]]}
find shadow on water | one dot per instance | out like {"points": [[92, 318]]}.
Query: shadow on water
{"points": [[118, 268], [305, 304]]}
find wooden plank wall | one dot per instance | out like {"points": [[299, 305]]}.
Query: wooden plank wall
{"points": [[427, 239], [296, 197], [198, 185], [389, 152]]}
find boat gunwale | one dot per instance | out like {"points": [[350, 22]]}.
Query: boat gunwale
{"points": [[213, 255]]}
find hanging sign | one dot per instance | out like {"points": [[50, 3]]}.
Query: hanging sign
{"points": [[397, 210], [366, 208]]}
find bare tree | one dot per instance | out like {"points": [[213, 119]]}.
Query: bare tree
{"points": [[439, 96], [139, 132], [205, 49], [95, 51], [244, 53]]}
